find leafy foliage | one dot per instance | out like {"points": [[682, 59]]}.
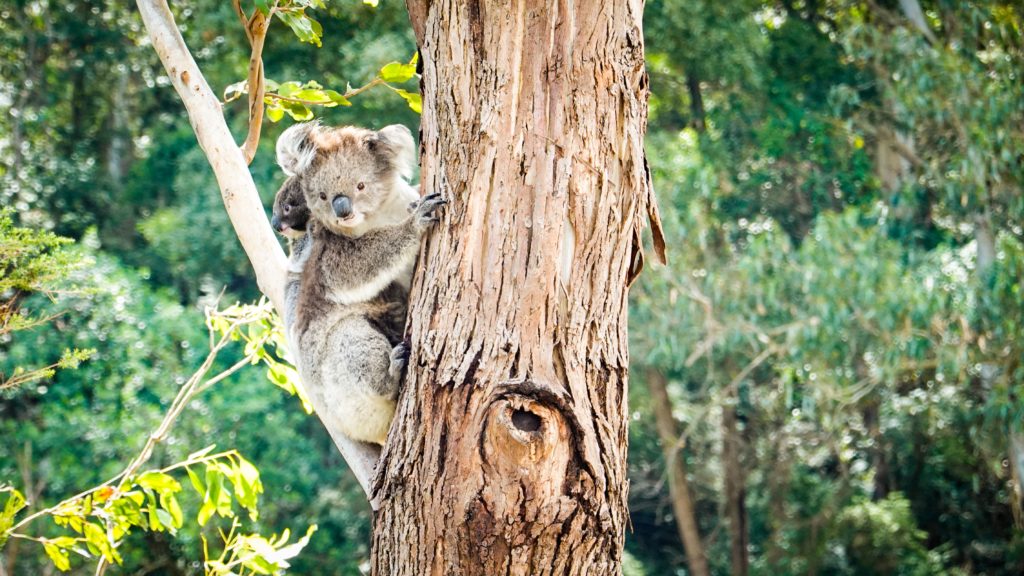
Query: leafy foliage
{"points": [[826, 173]]}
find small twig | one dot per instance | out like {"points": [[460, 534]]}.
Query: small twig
{"points": [[184, 396], [256, 31]]}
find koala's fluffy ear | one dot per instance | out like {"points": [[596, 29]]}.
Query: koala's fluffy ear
{"points": [[396, 143], [296, 148]]}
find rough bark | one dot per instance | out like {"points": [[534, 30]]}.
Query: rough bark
{"points": [[678, 484], [735, 489], [508, 451]]}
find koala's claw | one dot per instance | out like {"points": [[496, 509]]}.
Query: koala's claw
{"points": [[425, 210], [399, 360]]}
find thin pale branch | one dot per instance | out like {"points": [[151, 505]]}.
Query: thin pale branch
{"points": [[238, 190]]}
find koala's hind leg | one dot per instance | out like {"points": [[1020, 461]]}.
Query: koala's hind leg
{"points": [[368, 360]]}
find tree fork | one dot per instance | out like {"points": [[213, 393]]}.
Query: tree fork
{"points": [[508, 451]]}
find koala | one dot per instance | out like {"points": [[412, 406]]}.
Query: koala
{"points": [[364, 230], [289, 218], [290, 213]]}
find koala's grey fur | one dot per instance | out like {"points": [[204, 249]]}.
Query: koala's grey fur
{"points": [[290, 218], [355, 271], [290, 213]]}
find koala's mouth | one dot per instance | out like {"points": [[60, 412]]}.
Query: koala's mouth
{"points": [[351, 220], [289, 232]]}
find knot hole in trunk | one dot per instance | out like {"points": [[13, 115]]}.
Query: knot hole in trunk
{"points": [[524, 434], [525, 420]]}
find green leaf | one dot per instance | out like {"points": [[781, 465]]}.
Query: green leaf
{"points": [[197, 482], [96, 540], [298, 112], [166, 520], [262, 6], [206, 512], [275, 113], [15, 503], [289, 88], [397, 72], [158, 482], [200, 453], [305, 28], [312, 95], [337, 98], [170, 503], [151, 509], [60, 557], [414, 100]]}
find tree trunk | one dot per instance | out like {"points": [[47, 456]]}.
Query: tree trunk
{"points": [[699, 121], [735, 489], [985, 258], [872, 414], [508, 450], [678, 484]]}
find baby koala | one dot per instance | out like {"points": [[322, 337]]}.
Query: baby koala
{"points": [[289, 218], [363, 242]]}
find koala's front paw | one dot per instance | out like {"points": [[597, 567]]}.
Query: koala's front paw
{"points": [[426, 210], [399, 360]]}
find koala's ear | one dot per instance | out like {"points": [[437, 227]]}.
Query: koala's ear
{"points": [[396, 143], [296, 148]]}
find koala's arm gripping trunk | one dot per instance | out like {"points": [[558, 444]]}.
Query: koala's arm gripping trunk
{"points": [[237, 188]]}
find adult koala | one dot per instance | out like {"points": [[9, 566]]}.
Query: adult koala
{"points": [[364, 233]]}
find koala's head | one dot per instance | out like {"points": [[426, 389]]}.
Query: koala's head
{"points": [[346, 174], [290, 211]]}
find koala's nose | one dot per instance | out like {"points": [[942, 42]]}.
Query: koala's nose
{"points": [[275, 223], [342, 206]]}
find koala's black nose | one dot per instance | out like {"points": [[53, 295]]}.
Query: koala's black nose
{"points": [[342, 206], [275, 223]]}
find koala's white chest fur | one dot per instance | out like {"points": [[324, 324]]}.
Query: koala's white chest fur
{"points": [[400, 271]]}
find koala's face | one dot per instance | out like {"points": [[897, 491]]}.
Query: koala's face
{"points": [[346, 174], [291, 214]]}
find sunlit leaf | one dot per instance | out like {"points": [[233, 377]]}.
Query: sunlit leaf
{"points": [[397, 72], [59, 556]]}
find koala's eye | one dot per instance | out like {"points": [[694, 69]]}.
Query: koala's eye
{"points": [[360, 186], [287, 208], [323, 196]]}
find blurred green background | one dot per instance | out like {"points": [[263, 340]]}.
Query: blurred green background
{"points": [[839, 335]]}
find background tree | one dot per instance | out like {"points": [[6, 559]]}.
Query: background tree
{"points": [[823, 236]]}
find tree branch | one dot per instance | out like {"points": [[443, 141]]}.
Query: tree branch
{"points": [[256, 30], [237, 188]]}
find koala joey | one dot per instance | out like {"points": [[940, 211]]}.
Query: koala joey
{"points": [[289, 218], [290, 214], [364, 230]]}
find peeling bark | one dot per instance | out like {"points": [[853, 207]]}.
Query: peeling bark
{"points": [[508, 451]]}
